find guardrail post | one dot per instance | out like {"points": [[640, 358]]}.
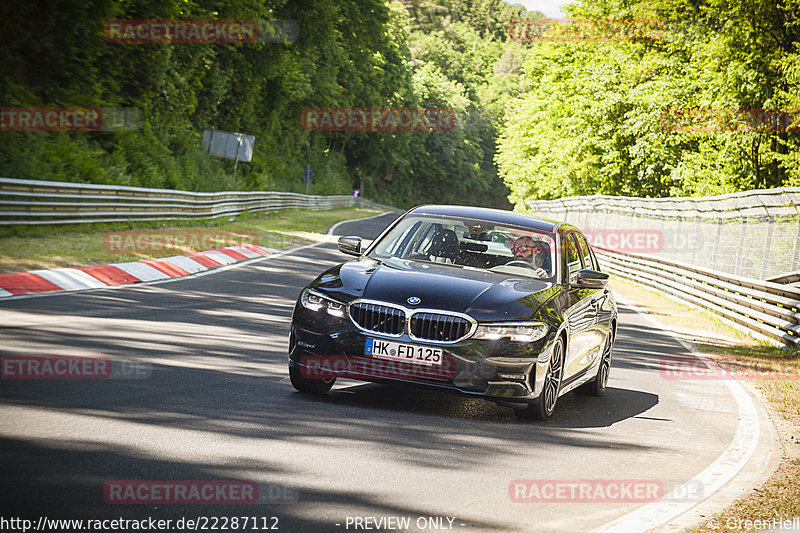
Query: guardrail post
{"points": [[715, 248], [796, 258], [696, 232], [767, 248], [740, 247]]}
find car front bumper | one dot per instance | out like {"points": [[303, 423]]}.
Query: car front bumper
{"points": [[498, 370]]}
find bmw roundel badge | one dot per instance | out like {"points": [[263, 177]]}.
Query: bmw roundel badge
{"points": [[413, 300]]}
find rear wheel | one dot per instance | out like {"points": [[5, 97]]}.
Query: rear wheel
{"points": [[545, 404], [597, 387]]}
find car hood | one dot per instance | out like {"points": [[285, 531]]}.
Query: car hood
{"points": [[486, 296]]}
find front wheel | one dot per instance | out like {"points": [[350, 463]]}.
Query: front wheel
{"points": [[309, 386], [545, 404]]}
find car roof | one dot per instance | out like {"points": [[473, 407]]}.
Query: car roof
{"points": [[492, 215]]}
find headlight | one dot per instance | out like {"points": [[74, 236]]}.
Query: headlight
{"points": [[314, 301], [516, 331]]}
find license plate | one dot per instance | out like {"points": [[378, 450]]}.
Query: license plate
{"points": [[397, 351]]}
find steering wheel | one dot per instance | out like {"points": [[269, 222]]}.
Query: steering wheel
{"points": [[540, 272], [520, 263]]}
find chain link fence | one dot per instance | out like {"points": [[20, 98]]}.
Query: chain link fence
{"points": [[754, 234]]}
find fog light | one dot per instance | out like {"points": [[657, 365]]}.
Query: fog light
{"points": [[513, 377]]}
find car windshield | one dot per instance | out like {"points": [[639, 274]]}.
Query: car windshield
{"points": [[470, 243]]}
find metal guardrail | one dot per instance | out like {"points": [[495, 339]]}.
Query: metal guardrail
{"points": [[764, 203], [30, 202], [363, 202], [753, 233], [716, 250], [770, 308]]}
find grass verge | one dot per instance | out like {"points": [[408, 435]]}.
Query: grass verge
{"points": [[773, 371], [52, 247]]}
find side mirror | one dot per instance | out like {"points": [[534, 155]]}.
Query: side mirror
{"points": [[591, 279], [350, 245]]}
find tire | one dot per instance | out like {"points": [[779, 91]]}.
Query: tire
{"points": [[545, 404], [309, 386], [597, 387]]}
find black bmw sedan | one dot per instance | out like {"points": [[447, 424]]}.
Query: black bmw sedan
{"points": [[502, 305]]}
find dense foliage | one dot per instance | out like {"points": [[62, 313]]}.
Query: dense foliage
{"points": [[535, 120], [593, 119], [360, 53]]}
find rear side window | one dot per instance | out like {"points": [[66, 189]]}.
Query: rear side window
{"points": [[587, 257], [572, 253]]}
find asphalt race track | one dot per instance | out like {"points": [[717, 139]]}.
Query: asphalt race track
{"points": [[215, 403]]}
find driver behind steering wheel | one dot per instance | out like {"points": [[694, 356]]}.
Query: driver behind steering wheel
{"points": [[535, 252]]}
